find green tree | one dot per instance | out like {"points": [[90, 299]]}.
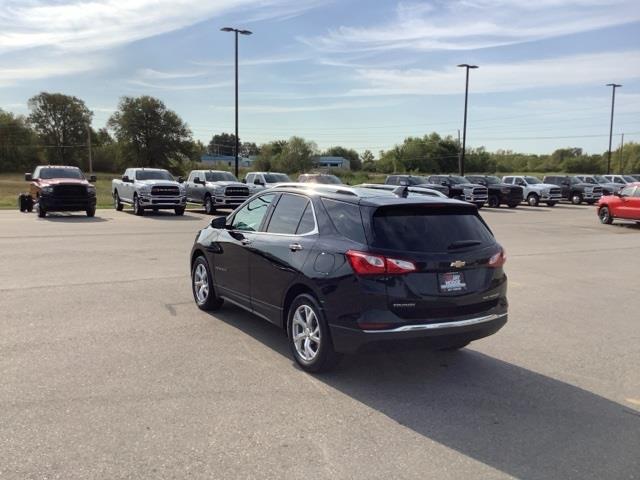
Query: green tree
{"points": [[18, 144], [222, 144], [296, 156], [350, 154], [368, 161], [151, 135], [61, 122]]}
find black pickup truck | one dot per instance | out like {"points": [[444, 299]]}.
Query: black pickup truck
{"points": [[499, 193], [461, 188], [574, 189]]}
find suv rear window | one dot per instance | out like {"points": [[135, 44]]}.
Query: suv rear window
{"points": [[346, 218], [426, 229]]}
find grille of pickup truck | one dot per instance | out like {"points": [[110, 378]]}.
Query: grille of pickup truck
{"points": [[236, 192], [165, 191], [70, 191], [555, 192], [597, 190], [480, 192]]}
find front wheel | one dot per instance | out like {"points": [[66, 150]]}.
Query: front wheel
{"points": [[137, 208], [202, 286], [91, 212], [117, 204], [605, 216], [533, 200], [209, 208], [309, 337], [576, 199], [494, 201], [179, 211], [41, 211]]}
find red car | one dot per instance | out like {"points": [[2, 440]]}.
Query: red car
{"points": [[624, 205]]}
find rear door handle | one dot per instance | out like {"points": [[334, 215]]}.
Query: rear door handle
{"points": [[294, 247]]}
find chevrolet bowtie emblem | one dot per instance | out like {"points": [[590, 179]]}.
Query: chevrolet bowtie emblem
{"points": [[458, 264]]}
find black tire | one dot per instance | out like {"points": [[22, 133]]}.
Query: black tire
{"points": [[453, 347], [41, 211], [22, 202], [137, 209], [179, 211], [576, 198], [514, 205], [533, 200], [323, 357], [551, 204], [29, 204], [210, 301], [209, 208], [116, 202], [91, 212], [605, 216], [494, 201]]}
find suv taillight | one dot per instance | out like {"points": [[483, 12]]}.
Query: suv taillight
{"points": [[498, 260], [368, 264]]}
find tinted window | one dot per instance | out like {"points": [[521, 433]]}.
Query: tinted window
{"points": [[287, 215], [391, 180], [220, 177], [46, 173], [508, 180], [276, 177], [416, 229], [307, 222], [249, 178], [346, 218], [250, 216]]}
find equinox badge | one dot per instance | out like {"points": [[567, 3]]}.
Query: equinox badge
{"points": [[458, 264]]}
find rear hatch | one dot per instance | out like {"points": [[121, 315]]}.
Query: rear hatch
{"points": [[457, 262]]}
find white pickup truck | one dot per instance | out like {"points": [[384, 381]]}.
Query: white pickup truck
{"points": [[149, 189]]}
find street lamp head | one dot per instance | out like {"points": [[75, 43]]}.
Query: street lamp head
{"points": [[245, 32], [227, 29], [614, 85], [466, 65]]}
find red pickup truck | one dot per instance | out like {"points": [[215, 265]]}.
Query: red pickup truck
{"points": [[54, 188], [624, 205]]}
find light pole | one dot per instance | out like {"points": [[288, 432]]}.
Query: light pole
{"points": [[241, 32], [613, 101], [464, 127]]}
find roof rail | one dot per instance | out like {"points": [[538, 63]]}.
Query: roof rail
{"points": [[342, 189]]}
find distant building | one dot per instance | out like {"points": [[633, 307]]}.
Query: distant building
{"points": [[331, 162], [226, 161]]}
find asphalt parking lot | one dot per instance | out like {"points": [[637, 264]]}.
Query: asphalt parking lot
{"points": [[108, 370]]}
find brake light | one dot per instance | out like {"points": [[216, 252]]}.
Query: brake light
{"points": [[498, 260], [367, 264]]}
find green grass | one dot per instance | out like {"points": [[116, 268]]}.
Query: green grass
{"points": [[11, 184]]}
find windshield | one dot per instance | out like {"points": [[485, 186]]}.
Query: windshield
{"points": [[491, 180], [153, 175], [416, 229], [220, 177], [417, 180], [574, 180], [628, 178], [47, 173], [457, 180], [532, 180], [589, 180], [276, 178], [600, 179]]}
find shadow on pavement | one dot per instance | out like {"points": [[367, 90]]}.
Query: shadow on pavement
{"points": [[60, 217], [166, 215], [515, 420]]}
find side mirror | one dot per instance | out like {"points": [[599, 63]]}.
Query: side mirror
{"points": [[180, 180], [219, 223], [126, 179], [92, 179], [27, 177]]}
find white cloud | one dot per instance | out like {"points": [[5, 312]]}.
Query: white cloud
{"points": [[33, 69], [347, 105], [474, 24], [587, 69], [151, 74], [180, 86]]}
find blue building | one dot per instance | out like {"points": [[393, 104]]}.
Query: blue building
{"points": [[331, 162], [226, 161]]}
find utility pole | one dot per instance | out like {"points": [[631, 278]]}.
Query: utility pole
{"points": [[241, 32], [621, 155], [459, 154], [464, 127], [89, 147], [613, 102]]}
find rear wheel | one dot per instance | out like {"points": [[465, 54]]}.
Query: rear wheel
{"points": [[202, 286], [309, 337], [605, 216], [137, 208], [208, 205], [117, 204], [533, 200], [494, 201], [576, 199]]}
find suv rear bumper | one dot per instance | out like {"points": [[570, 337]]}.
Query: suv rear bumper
{"points": [[440, 334]]}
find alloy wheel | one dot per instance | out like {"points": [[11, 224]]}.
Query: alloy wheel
{"points": [[201, 283], [305, 330]]}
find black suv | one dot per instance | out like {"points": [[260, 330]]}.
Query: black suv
{"points": [[499, 193], [338, 268], [462, 189], [414, 181], [574, 189]]}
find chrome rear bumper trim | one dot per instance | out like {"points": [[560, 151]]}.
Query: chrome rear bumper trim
{"points": [[436, 326]]}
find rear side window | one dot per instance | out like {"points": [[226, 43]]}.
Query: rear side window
{"points": [[287, 215], [426, 229], [346, 218]]}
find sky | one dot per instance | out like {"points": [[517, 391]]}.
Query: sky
{"points": [[361, 74]]}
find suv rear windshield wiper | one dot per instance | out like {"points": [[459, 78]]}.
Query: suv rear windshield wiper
{"points": [[463, 243]]}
